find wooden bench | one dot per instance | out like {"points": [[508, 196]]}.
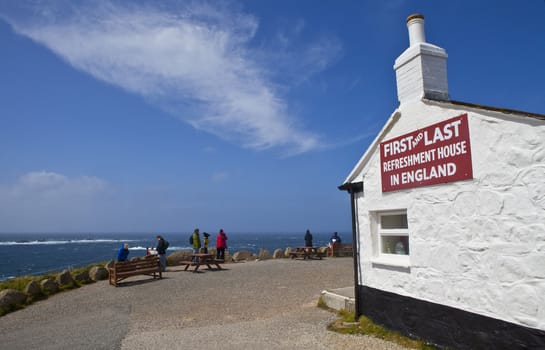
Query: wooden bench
{"points": [[343, 249], [307, 253], [346, 249], [294, 255], [149, 266]]}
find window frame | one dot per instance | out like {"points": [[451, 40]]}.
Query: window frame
{"points": [[381, 257]]}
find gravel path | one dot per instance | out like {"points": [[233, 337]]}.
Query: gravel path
{"points": [[256, 305]]}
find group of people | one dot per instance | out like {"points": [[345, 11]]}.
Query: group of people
{"points": [[334, 240], [221, 243], [195, 241], [198, 247], [332, 246]]}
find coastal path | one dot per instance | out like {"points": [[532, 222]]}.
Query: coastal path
{"points": [[252, 305]]}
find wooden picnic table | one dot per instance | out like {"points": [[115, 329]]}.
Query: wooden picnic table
{"points": [[307, 253], [202, 259]]}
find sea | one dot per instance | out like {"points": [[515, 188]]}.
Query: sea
{"points": [[42, 253]]}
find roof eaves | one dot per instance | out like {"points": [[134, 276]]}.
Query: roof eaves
{"points": [[394, 117], [353, 187], [490, 108]]}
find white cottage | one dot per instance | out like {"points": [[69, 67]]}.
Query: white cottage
{"points": [[448, 209]]}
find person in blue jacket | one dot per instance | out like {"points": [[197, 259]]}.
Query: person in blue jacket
{"points": [[335, 238], [334, 244], [123, 252]]}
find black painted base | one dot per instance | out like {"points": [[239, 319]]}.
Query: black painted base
{"points": [[443, 325]]}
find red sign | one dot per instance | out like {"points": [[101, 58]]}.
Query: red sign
{"points": [[436, 154]]}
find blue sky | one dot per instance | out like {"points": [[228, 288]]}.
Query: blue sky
{"points": [[246, 115]]}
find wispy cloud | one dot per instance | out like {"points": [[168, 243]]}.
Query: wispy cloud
{"points": [[43, 200], [43, 184], [195, 60]]}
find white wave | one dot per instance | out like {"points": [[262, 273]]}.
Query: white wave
{"points": [[178, 248], [69, 241], [170, 249]]}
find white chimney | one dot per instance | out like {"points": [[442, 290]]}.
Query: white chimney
{"points": [[421, 71]]}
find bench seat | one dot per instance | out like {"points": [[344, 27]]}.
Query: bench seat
{"points": [[149, 266], [304, 254], [343, 249]]}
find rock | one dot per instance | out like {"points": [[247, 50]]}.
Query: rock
{"points": [[180, 255], [11, 297], [98, 273], [33, 289], [50, 286], [287, 251], [65, 278], [278, 254], [264, 254], [244, 255], [82, 277], [109, 265]]}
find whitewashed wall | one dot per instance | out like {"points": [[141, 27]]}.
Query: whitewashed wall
{"points": [[476, 245]]}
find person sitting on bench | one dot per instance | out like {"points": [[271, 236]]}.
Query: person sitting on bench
{"points": [[123, 252], [334, 243]]}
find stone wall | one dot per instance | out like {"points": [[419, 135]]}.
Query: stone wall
{"points": [[477, 245]]}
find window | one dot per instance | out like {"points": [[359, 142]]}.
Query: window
{"points": [[391, 233]]}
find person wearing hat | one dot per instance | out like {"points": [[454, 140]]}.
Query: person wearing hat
{"points": [[205, 242]]}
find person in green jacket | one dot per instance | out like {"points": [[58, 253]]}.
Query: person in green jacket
{"points": [[196, 243]]}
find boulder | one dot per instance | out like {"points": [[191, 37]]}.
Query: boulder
{"points": [[11, 297], [264, 254], [98, 273], [244, 255], [228, 257], [278, 254], [287, 251], [82, 277], [180, 255], [65, 278], [33, 289], [49, 286]]}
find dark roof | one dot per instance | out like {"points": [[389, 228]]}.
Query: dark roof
{"points": [[351, 187], [495, 109]]}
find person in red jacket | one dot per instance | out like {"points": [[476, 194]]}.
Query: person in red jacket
{"points": [[221, 244]]}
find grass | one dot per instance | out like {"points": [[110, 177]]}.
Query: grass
{"points": [[20, 283], [347, 324]]}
